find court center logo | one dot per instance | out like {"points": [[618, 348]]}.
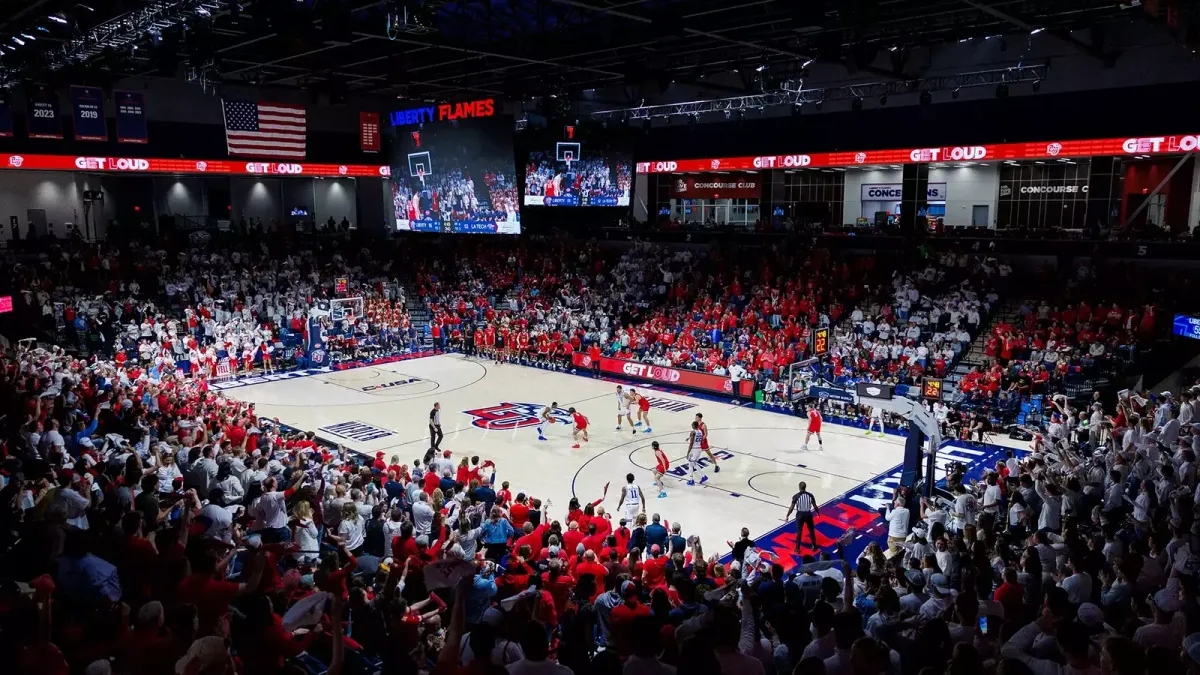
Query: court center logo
{"points": [[511, 415], [390, 385]]}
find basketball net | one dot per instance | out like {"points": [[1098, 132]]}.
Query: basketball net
{"points": [[568, 157], [421, 175]]}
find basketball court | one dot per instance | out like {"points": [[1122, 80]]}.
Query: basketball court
{"points": [[491, 410]]}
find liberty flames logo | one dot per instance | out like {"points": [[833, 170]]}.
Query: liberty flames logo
{"points": [[506, 416], [1053, 149]]}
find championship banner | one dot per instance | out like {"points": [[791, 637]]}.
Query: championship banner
{"points": [[87, 106], [130, 109], [669, 376], [368, 127], [44, 120], [6, 121]]}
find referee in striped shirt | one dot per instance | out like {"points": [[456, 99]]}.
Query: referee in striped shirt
{"points": [[805, 506], [435, 427]]}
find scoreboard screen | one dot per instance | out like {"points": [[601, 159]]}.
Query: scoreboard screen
{"points": [[931, 389]]}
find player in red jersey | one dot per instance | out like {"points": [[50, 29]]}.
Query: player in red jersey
{"points": [[814, 427], [643, 415], [704, 442], [581, 424], [660, 469]]}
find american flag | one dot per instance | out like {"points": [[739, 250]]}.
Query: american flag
{"points": [[264, 129]]}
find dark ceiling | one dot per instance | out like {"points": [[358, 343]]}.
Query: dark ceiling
{"points": [[506, 48]]}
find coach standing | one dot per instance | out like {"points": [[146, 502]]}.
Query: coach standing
{"points": [[805, 506], [435, 427]]}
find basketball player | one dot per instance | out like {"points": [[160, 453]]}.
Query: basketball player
{"points": [[623, 408], [814, 427], [547, 418], [581, 424], [632, 499], [660, 469], [695, 454], [643, 415], [876, 416], [704, 442]]}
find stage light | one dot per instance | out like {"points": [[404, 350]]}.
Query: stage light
{"points": [[819, 104], [57, 19], [856, 104], [954, 94], [807, 63], [883, 100], [1035, 31], [1037, 85]]}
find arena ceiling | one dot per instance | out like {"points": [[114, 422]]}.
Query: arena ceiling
{"points": [[444, 49]]}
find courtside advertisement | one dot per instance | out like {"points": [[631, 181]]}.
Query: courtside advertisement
{"points": [[646, 372]]}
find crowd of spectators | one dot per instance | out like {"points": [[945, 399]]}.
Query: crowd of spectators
{"points": [[596, 177], [153, 526]]}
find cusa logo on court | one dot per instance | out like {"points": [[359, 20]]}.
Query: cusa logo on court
{"points": [[514, 416], [389, 385]]}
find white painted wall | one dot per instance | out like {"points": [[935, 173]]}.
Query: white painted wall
{"points": [[966, 187], [180, 195], [255, 198], [336, 197], [59, 193]]}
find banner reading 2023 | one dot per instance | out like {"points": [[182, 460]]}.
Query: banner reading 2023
{"points": [[87, 109]]}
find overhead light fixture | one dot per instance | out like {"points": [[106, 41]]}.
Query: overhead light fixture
{"points": [[1002, 91], [18, 41], [27, 36], [202, 11], [761, 68], [1035, 31], [892, 48], [87, 8], [926, 97], [818, 104], [954, 94], [1037, 85], [807, 63], [883, 100], [856, 104], [57, 19], [967, 39], [43, 29]]}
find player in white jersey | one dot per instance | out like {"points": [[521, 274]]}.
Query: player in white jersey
{"points": [[623, 408], [633, 501], [695, 454], [876, 417], [547, 417]]}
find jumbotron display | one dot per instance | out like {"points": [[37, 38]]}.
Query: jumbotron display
{"points": [[457, 177], [572, 175]]}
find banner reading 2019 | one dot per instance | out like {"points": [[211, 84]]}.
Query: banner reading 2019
{"points": [[87, 109]]}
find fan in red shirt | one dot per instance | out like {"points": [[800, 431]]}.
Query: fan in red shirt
{"points": [[623, 616]]}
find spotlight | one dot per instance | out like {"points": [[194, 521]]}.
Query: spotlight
{"points": [[856, 104], [1035, 31], [819, 104], [57, 19], [954, 94], [18, 41], [883, 100], [926, 97], [1002, 91], [1037, 85], [728, 113], [807, 63], [797, 108], [27, 36]]}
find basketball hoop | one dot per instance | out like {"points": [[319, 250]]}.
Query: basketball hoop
{"points": [[421, 175], [568, 157]]}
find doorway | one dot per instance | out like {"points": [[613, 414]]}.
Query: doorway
{"points": [[37, 223], [979, 216]]}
